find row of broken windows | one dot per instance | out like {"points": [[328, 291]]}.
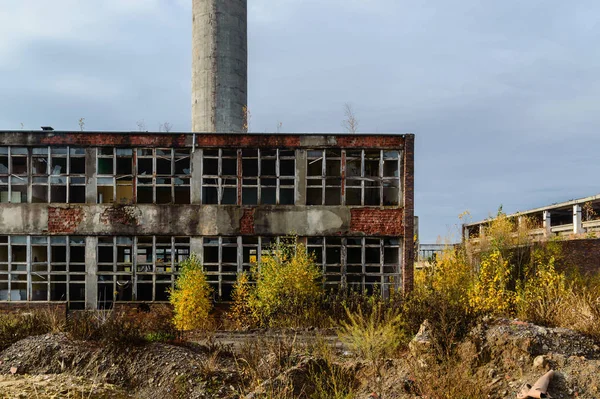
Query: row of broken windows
{"points": [[229, 176], [144, 268], [358, 263]]}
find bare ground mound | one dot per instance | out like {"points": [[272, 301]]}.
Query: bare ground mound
{"points": [[500, 356], [151, 371], [57, 386]]}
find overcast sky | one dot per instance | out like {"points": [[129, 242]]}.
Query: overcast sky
{"points": [[503, 96]]}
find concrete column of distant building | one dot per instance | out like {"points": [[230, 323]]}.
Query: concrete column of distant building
{"points": [[547, 221], [577, 221], [219, 65]]}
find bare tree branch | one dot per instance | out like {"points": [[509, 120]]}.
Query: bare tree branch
{"points": [[351, 122]]}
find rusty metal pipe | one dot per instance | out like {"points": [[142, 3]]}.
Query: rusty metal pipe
{"points": [[539, 389]]}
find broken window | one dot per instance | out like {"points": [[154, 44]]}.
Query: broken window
{"points": [[250, 162], [56, 269], [14, 176], [219, 176], [40, 173], [221, 264], [225, 257], [115, 175], [358, 263], [372, 177], [250, 253], [4, 269], [328, 254], [13, 268], [115, 270], [155, 266], [268, 176], [67, 174], [105, 180], [163, 176], [324, 177]]}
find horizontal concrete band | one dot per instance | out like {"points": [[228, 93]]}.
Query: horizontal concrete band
{"points": [[198, 220]]}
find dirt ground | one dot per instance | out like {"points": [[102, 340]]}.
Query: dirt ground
{"points": [[57, 386], [504, 354]]}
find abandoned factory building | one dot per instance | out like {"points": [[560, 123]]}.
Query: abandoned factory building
{"points": [[94, 219]]}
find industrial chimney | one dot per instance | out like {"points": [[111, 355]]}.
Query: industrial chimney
{"points": [[219, 65]]}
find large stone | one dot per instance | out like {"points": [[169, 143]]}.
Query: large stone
{"points": [[421, 343]]}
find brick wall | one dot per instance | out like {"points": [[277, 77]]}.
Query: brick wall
{"points": [[376, 221], [408, 255], [151, 139], [581, 254], [384, 141], [247, 222], [129, 139], [64, 220]]}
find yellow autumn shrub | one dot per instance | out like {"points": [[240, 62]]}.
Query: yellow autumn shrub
{"points": [[191, 298], [491, 292], [453, 275], [543, 295], [289, 286], [240, 313]]}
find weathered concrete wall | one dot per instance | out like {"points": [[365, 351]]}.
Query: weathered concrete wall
{"points": [[219, 65], [197, 220]]}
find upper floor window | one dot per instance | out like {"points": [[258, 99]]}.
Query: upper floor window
{"points": [[163, 175], [55, 174], [324, 177], [366, 178], [265, 176]]}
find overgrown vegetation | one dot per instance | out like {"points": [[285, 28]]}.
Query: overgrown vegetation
{"points": [[286, 290], [192, 296], [112, 328], [502, 274]]}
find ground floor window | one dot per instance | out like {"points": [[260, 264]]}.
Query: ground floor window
{"points": [[138, 268], [360, 263], [43, 269]]}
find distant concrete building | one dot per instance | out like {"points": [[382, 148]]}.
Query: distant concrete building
{"points": [[565, 219], [219, 65], [574, 225], [96, 219], [428, 254]]}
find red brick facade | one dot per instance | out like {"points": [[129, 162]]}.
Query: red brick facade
{"points": [[137, 139], [409, 214], [64, 220], [247, 222], [129, 140], [376, 221]]}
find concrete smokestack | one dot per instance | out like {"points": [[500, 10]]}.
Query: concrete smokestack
{"points": [[219, 65]]}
